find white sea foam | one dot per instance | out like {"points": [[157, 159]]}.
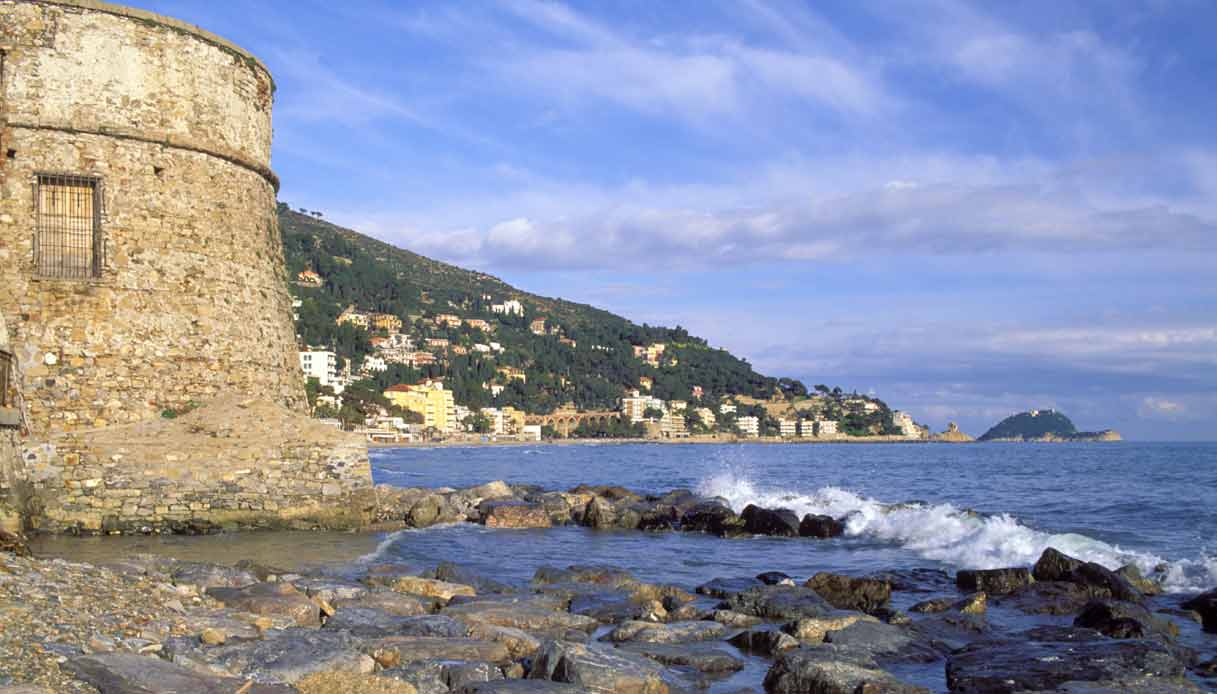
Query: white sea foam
{"points": [[955, 536]]}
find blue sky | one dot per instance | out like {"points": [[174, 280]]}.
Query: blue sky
{"points": [[968, 208]]}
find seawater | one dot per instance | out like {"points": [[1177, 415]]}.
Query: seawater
{"points": [[907, 506]]}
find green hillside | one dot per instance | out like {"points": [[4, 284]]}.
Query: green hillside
{"points": [[586, 357], [1031, 425]]}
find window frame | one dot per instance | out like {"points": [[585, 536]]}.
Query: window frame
{"points": [[58, 268]]}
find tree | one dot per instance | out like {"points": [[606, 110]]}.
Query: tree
{"points": [[478, 422], [653, 413]]}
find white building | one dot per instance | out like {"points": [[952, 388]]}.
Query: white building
{"points": [[321, 365], [826, 428], [726, 408], [635, 406], [807, 428], [498, 420], [706, 415], [484, 349], [749, 426], [787, 428], [672, 425], [904, 422], [531, 432], [511, 307], [373, 364]]}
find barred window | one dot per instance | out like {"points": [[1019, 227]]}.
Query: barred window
{"points": [[68, 241], [6, 368]]}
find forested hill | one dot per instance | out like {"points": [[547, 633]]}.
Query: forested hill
{"points": [[585, 356]]}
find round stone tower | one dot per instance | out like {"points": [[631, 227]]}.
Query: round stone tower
{"points": [[141, 268]]}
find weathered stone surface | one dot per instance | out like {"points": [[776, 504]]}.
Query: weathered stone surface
{"points": [[831, 670], [1054, 565], [598, 670], [723, 588], [330, 590], [1001, 667], [1103, 582], [1206, 605], [821, 526], [812, 629], [126, 673], [1123, 620], [514, 514], [524, 616], [993, 581], [765, 641], [529, 686], [292, 655], [456, 573], [1048, 597], [272, 600], [676, 632], [352, 683], [701, 657], [850, 593], [392, 651], [203, 576], [883, 641], [1132, 574], [779, 522], [780, 602], [395, 603], [519, 643], [430, 588], [369, 621], [735, 619], [712, 517]]}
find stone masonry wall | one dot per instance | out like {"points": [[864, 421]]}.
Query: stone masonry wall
{"points": [[234, 463]]}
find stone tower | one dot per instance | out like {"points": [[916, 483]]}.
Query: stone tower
{"points": [[141, 268], [142, 276]]}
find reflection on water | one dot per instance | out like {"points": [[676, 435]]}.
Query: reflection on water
{"points": [[287, 550]]}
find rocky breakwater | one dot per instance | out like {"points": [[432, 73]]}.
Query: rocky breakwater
{"points": [[149, 624]]}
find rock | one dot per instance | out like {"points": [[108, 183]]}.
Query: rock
{"points": [[676, 632], [203, 576], [999, 667], [1206, 605], [430, 587], [775, 578], [976, 603], [881, 640], [456, 573], [514, 514], [821, 526], [712, 517], [831, 670], [604, 576], [292, 655], [529, 686], [700, 657], [389, 601], [1054, 565], [993, 581], [607, 607], [779, 602], [1132, 574], [812, 629], [763, 640], [1103, 582], [1049, 597], [612, 493], [932, 606], [212, 637], [426, 512], [391, 651], [497, 489], [330, 590], [352, 683], [723, 588], [271, 600], [125, 673], [735, 619], [461, 674], [597, 670], [519, 643], [599, 513], [779, 522], [849, 593], [371, 622], [1123, 620], [528, 617]]}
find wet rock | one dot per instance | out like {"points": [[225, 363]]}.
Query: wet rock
{"points": [[823, 527], [723, 588], [919, 580], [597, 670], [780, 602], [427, 511], [203, 576], [330, 590], [430, 587], [389, 601], [883, 641], [781, 522], [394, 651], [292, 655], [125, 673], [656, 521], [610, 492], [513, 514], [994, 581], [1132, 574], [1103, 582], [932, 606], [775, 578], [528, 617], [676, 632], [1054, 565], [272, 600], [1206, 605], [371, 622], [812, 629], [1052, 598], [737, 620], [212, 637], [831, 670], [998, 667], [456, 573], [764, 641], [1123, 620], [889, 615], [950, 631], [712, 517], [849, 593], [607, 607], [15, 543], [976, 603], [605, 576], [700, 657]]}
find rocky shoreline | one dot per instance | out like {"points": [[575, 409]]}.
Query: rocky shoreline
{"points": [[150, 624]]}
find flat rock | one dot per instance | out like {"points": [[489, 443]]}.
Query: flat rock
{"points": [[271, 600], [882, 641], [701, 657], [369, 621], [723, 588], [812, 629], [396, 650], [330, 590], [850, 593], [388, 601], [126, 673], [292, 655], [1123, 620], [598, 670], [519, 643], [831, 670], [1000, 667], [203, 576], [780, 603], [764, 640], [520, 616], [430, 587], [675, 632], [994, 581], [1048, 597], [530, 686]]}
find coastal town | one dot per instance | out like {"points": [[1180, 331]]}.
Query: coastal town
{"points": [[425, 410]]}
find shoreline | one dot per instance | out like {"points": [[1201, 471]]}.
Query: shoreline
{"points": [[691, 440]]}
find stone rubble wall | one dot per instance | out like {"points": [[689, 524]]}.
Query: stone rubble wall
{"points": [[231, 464]]}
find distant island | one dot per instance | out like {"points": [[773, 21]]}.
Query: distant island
{"points": [[1043, 426]]}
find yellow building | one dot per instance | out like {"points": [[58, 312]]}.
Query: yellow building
{"points": [[385, 321], [435, 404]]}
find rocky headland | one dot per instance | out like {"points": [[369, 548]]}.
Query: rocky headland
{"points": [[1044, 426], [155, 624]]}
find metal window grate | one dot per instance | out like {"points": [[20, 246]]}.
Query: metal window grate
{"points": [[6, 368], [68, 241]]}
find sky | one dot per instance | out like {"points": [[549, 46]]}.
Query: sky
{"points": [[967, 209]]}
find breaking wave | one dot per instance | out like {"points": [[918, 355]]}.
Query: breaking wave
{"points": [[957, 536]]}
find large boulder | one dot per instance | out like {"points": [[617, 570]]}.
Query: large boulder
{"points": [[457, 573], [528, 616], [395, 651], [849, 593], [811, 630], [1001, 667], [699, 657], [1048, 597], [883, 641], [292, 655], [764, 640], [430, 587], [675, 632], [1123, 620], [832, 670], [371, 622], [713, 517], [993, 581], [127, 673], [514, 514], [271, 600], [779, 522], [779, 603], [597, 670], [823, 527], [1099, 581], [1054, 565], [723, 588], [202, 576], [1206, 605]]}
